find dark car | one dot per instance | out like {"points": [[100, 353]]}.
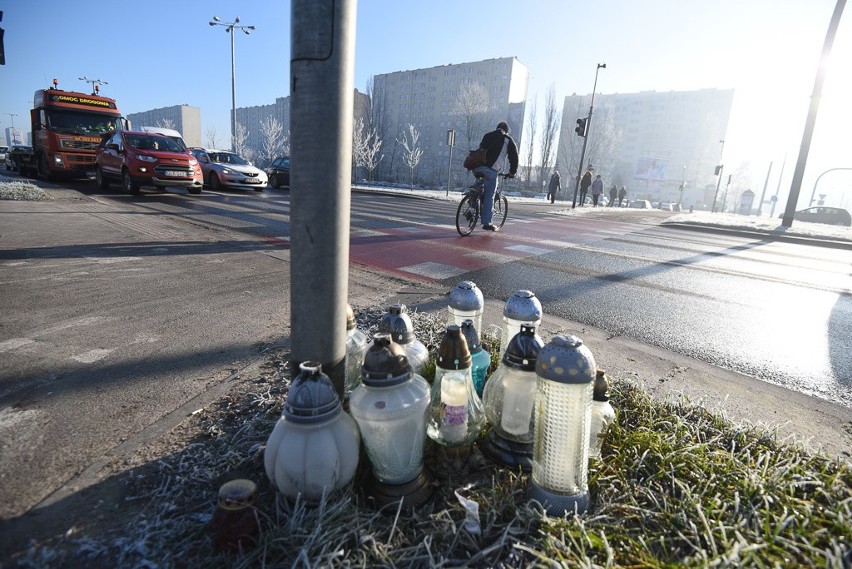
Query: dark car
{"points": [[145, 159], [279, 172], [823, 214]]}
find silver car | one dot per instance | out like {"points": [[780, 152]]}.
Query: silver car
{"points": [[225, 169]]}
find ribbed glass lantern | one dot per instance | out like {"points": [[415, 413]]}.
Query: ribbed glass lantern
{"points": [[390, 407], [509, 401], [522, 308], [397, 323], [356, 346], [313, 449], [466, 302], [566, 374]]}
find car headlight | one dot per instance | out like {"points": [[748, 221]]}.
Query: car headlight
{"points": [[227, 171], [193, 162], [145, 158]]}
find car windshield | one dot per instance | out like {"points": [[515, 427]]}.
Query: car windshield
{"points": [[148, 142], [228, 158], [79, 122]]}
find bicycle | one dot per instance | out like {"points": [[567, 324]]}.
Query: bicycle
{"points": [[469, 212]]}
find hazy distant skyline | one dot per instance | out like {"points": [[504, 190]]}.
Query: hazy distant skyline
{"points": [[157, 54]]}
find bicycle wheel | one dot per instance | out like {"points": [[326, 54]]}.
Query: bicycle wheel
{"points": [[501, 211], [467, 215]]}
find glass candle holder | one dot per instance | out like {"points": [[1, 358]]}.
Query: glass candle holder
{"points": [[398, 324], [356, 347], [602, 414], [480, 359], [521, 308], [466, 302]]}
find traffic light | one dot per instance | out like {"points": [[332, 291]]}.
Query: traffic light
{"points": [[582, 124]]}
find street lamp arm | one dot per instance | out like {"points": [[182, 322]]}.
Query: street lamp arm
{"points": [[813, 193]]}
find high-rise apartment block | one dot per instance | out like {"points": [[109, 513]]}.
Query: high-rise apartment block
{"points": [[470, 98], [652, 143], [182, 118]]}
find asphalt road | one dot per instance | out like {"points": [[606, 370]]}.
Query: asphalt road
{"points": [[124, 312]]}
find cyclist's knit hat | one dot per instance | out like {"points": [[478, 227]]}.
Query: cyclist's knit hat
{"points": [[503, 126]]}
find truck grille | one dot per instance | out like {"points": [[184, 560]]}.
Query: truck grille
{"points": [[78, 159], [68, 144]]}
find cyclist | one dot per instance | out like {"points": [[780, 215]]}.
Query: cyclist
{"points": [[499, 147]]}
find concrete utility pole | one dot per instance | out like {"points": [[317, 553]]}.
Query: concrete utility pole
{"points": [[763, 194], [805, 147], [322, 64]]}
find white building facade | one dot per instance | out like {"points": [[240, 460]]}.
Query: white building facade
{"points": [[183, 118], [653, 143]]}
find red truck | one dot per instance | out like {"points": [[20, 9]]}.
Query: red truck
{"points": [[66, 128]]}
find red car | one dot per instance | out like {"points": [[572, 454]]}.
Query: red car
{"points": [[145, 159]]}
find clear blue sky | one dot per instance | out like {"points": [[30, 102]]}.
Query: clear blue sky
{"points": [[160, 53]]}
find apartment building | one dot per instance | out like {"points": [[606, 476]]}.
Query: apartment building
{"points": [[651, 142], [253, 119], [469, 98], [183, 118]]}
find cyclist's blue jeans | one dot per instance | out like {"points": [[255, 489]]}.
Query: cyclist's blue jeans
{"points": [[490, 175]]}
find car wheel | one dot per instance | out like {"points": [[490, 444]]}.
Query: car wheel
{"points": [[130, 185], [102, 181], [214, 183], [273, 181]]}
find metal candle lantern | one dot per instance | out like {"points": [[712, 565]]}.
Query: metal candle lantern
{"points": [[456, 415], [480, 360], [522, 308], [356, 345], [466, 302], [398, 324], [566, 373], [390, 407], [313, 449], [509, 401]]}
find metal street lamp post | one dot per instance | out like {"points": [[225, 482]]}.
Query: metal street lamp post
{"points": [[230, 27], [719, 169], [588, 127], [813, 193]]}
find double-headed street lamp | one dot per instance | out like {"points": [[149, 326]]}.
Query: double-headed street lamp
{"points": [[95, 83], [230, 27]]}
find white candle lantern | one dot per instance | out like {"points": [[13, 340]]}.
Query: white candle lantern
{"points": [[356, 346], [522, 308], [466, 302], [390, 407], [509, 401], [398, 324], [603, 414], [566, 373], [313, 449]]}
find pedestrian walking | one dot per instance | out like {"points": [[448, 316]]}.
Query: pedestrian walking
{"points": [[622, 193], [554, 186], [585, 182], [613, 194], [597, 190], [499, 147]]}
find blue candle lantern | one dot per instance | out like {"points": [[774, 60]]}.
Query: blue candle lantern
{"points": [[480, 360]]}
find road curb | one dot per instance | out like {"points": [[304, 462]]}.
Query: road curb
{"points": [[771, 235]]}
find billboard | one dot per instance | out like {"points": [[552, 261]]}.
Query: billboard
{"points": [[650, 169]]}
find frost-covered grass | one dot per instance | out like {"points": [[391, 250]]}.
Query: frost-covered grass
{"points": [[677, 486], [763, 224], [17, 189]]}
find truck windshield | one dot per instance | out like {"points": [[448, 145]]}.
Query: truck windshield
{"points": [[73, 122]]}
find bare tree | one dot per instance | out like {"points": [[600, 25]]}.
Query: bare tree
{"points": [[529, 154], [366, 145], [273, 139], [549, 132], [471, 109], [413, 153], [240, 137], [165, 123], [211, 137]]}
